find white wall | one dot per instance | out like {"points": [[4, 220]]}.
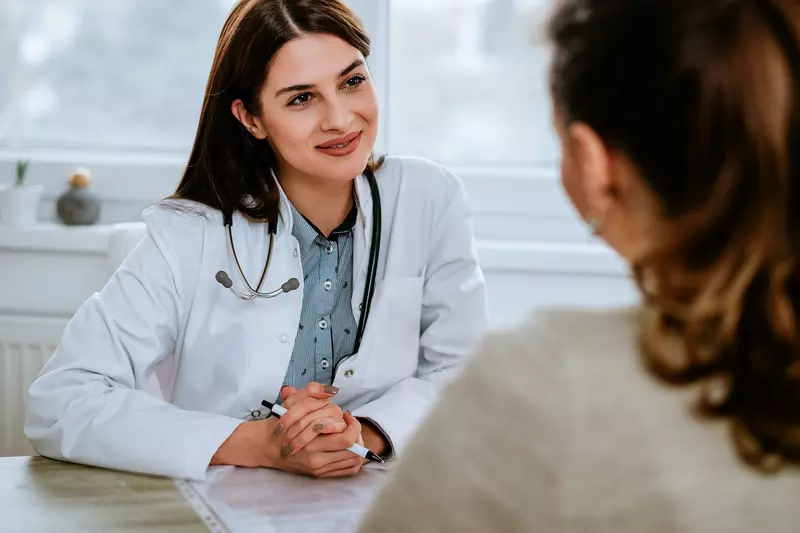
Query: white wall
{"points": [[514, 295]]}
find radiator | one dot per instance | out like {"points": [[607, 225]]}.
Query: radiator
{"points": [[26, 344]]}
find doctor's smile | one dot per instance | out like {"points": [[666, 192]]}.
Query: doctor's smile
{"points": [[342, 146]]}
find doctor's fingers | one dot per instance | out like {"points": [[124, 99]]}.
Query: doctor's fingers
{"points": [[312, 390], [308, 463], [287, 391], [328, 410], [338, 441], [302, 433], [297, 412], [348, 467]]}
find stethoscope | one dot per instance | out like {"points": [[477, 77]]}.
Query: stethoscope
{"points": [[292, 283]]}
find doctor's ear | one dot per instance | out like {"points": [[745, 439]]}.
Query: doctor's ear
{"points": [[251, 122]]}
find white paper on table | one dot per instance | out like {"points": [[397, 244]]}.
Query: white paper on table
{"points": [[245, 500]]}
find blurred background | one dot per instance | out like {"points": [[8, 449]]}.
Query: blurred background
{"points": [[465, 77], [115, 87]]}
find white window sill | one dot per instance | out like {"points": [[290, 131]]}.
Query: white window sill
{"points": [[550, 258], [47, 237], [495, 255]]}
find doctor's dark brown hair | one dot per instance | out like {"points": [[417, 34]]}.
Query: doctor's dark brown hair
{"points": [[702, 96], [228, 168]]}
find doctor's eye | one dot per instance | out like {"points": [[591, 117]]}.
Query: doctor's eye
{"points": [[301, 99], [355, 81]]}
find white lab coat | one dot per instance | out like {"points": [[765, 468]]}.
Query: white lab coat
{"points": [[217, 357]]}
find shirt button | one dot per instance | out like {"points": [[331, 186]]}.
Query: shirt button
{"points": [[324, 363], [329, 249], [323, 324], [349, 374], [284, 337], [328, 285]]}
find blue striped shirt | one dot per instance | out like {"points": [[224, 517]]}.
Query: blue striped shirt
{"points": [[327, 330]]}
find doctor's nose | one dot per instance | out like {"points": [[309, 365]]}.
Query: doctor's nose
{"points": [[337, 117]]}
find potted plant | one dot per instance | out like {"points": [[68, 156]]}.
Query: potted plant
{"points": [[19, 201]]}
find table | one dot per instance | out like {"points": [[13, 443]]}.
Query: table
{"points": [[38, 495]]}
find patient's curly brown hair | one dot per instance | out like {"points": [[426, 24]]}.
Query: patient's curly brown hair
{"points": [[704, 97]]}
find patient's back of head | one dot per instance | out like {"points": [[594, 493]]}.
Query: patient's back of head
{"points": [[702, 100]]}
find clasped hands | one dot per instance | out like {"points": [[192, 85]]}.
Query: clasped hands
{"points": [[311, 438]]}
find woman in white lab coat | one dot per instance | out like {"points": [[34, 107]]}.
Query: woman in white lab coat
{"points": [[281, 167]]}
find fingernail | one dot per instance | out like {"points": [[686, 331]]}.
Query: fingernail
{"points": [[319, 427], [278, 429], [330, 389], [286, 450]]}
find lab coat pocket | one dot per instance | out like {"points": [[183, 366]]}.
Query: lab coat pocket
{"points": [[394, 329]]}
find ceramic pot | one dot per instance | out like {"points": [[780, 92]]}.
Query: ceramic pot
{"points": [[19, 205], [78, 206]]}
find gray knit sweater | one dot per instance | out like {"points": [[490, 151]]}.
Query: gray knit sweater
{"points": [[556, 428]]}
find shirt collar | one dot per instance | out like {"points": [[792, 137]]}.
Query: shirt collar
{"points": [[348, 223], [363, 201], [306, 232], [303, 231]]}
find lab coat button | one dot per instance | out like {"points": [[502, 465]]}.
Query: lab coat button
{"points": [[295, 252], [349, 374], [284, 337]]}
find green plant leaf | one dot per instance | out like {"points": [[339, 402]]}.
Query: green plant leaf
{"points": [[22, 168]]}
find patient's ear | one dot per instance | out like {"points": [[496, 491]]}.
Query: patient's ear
{"points": [[592, 163], [251, 122]]}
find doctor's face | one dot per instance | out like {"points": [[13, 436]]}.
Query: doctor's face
{"points": [[319, 111]]}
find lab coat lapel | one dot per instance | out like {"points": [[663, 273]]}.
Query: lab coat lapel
{"points": [[361, 242]]}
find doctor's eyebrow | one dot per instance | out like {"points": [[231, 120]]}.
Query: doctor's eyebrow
{"points": [[305, 87]]}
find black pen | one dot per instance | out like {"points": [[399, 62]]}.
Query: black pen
{"points": [[279, 411]]}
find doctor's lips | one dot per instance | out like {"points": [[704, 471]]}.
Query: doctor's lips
{"points": [[342, 146]]}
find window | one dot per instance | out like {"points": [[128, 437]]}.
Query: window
{"points": [[105, 74], [117, 85], [467, 78], [468, 82]]}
